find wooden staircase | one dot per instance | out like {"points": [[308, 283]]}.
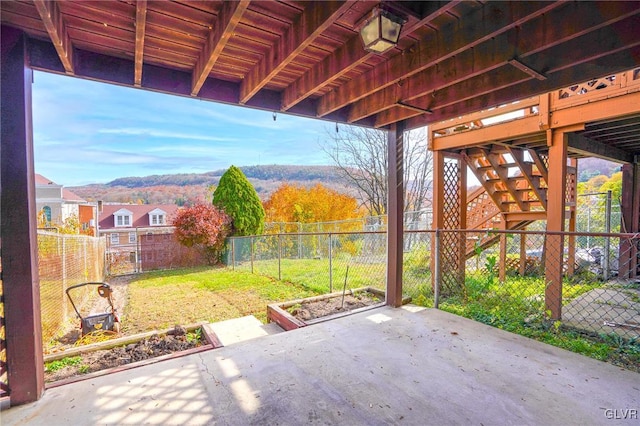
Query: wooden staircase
{"points": [[513, 191]]}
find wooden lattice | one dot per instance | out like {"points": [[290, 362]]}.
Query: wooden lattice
{"points": [[451, 255], [588, 86], [481, 210]]}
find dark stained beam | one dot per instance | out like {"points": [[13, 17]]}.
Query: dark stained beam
{"points": [[226, 22], [395, 213], [348, 56], [53, 22], [120, 71], [314, 20], [609, 64], [426, 53], [141, 21], [20, 279], [579, 144], [500, 51]]}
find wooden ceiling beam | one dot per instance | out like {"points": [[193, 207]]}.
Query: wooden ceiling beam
{"points": [[52, 19], [600, 43], [314, 20], [623, 60], [452, 40], [579, 144], [141, 22], [498, 52], [348, 56], [226, 22]]}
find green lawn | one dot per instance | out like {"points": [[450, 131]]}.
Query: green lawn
{"points": [[162, 299]]}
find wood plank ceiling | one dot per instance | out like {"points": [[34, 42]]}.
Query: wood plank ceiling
{"points": [[307, 58]]}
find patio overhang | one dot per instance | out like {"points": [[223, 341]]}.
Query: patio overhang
{"points": [[302, 58]]}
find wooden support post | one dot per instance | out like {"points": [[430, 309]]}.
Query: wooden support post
{"points": [[554, 245], [437, 220], [523, 254], [462, 220], [395, 210], [630, 220], [571, 253], [502, 271], [18, 227]]}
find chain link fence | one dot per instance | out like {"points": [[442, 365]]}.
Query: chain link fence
{"points": [[136, 250], [65, 260], [502, 279], [508, 281], [322, 262]]}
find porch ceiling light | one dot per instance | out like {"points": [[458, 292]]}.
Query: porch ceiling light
{"points": [[381, 31]]}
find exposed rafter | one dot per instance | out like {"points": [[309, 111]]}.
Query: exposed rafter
{"points": [[141, 22], [53, 22], [226, 22], [623, 60], [592, 148], [496, 53], [347, 57], [426, 53], [315, 19]]}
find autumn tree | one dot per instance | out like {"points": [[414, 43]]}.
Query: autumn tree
{"points": [[361, 156], [203, 226], [239, 199], [292, 203]]}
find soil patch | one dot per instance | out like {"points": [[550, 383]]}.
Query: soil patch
{"points": [[175, 340], [321, 308]]}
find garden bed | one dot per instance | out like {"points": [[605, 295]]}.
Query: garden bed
{"points": [[302, 312], [119, 354]]}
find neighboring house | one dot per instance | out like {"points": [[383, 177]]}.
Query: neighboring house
{"points": [[58, 204], [137, 234]]}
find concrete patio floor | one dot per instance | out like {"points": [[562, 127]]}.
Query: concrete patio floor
{"points": [[383, 366]]}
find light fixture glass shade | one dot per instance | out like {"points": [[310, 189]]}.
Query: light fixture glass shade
{"points": [[381, 31]]}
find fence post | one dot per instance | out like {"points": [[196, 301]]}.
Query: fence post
{"points": [[299, 241], [251, 241], [279, 257], [436, 271], [64, 277], [330, 264], [233, 254], [607, 229], [86, 265]]}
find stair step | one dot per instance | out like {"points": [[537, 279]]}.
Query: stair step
{"points": [[240, 329]]}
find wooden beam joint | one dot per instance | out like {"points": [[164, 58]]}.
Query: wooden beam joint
{"points": [[54, 23]]}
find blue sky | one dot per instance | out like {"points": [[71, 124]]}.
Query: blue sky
{"points": [[88, 132]]}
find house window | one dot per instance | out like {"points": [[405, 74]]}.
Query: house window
{"points": [[132, 237], [157, 219], [115, 239], [123, 220], [47, 214]]}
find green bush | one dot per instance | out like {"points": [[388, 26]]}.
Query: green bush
{"points": [[239, 199]]}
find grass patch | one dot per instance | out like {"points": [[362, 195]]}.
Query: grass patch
{"points": [[62, 363], [162, 299], [517, 306]]}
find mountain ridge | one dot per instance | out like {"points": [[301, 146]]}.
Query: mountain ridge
{"points": [[188, 188]]}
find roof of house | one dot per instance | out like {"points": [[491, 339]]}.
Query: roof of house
{"points": [[140, 214], [66, 194]]}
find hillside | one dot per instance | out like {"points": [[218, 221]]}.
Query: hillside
{"points": [[191, 187]]}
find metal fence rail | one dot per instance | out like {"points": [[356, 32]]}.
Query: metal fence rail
{"points": [[65, 260]]}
